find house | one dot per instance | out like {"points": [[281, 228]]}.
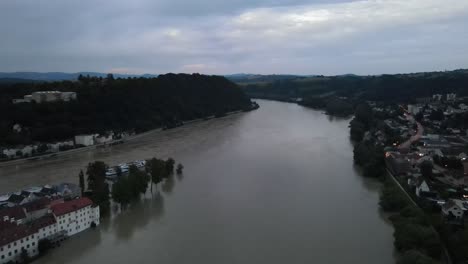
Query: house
{"points": [[16, 199], [85, 140], [36, 209], [106, 138], [76, 215], [452, 210], [451, 96], [68, 96], [437, 97], [15, 215], [422, 187], [414, 109], [397, 163], [48, 191], [68, 190], [55, 147]]}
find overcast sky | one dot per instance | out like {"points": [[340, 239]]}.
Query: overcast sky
{"points": [[233, 36]]}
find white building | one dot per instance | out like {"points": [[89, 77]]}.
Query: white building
{"points": [[104, 138], [16, 238], [451, 96], [46, 96], [452, 209], [15, 235], [414, 109], [422, 187], [58, 219], [437, 97], [76, 215], [68, 96], [55, 147], [85, 140]]}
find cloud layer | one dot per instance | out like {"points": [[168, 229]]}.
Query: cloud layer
{"points": [[210, 36]]}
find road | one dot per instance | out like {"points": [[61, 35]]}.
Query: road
{"points": [[414, 138]]}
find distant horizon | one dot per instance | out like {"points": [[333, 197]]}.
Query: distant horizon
{"points": [[226, 74]]}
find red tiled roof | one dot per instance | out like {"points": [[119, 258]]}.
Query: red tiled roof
{"points": [[44, 221], [13, 212], [10, 232], [70, 206]]}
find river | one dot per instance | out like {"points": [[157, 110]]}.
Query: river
{"points": [[275, 185]]}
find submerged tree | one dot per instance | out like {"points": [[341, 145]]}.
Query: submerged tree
{"points": [[179, 169], [130, 187], [96, 173], [170, 162], [82, 182]]}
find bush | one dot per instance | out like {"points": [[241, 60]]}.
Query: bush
{"points": [[44, 245], [392, 198], [410, 236], [415, 257]]}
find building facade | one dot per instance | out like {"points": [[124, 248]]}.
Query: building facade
{"points": [[21, 228], [76, 215], [85, 140]]}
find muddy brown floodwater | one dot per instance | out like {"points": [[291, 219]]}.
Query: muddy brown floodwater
{"points": [[276, 185]]}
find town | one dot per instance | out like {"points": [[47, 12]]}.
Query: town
{"points": [[425, 150], [431, 155]]}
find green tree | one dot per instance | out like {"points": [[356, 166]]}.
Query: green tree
{"points": [[170, 162], [24, 256], [121, 191], [44, 245], [426, 168], [42, 148], [363, 114], [416, 257], [129, 188], [410, 236], [179, 169], [96, 173], [392, 198], [157, 169], [82, 182]]}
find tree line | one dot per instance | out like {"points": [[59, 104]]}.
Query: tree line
{"points": [[318, 91], [103, 104], [127, 187]]}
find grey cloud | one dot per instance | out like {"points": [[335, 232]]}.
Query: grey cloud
{"points": [[210, 36]]}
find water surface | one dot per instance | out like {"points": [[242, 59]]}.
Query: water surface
{"points": [[276, 185]]}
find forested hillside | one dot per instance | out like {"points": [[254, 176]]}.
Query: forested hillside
{"points": [[388, 88], [106, 104]]}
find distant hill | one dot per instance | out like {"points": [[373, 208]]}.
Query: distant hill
{"points": [[246, 78], [62, 76], [385, 87], [16, 80], [115, 104]]}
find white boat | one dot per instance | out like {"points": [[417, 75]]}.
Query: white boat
{"points": [[123, 167], [139, 163], [111, 172]]}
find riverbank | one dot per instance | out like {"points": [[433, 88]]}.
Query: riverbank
{"points": [[446, 256], [104, 145]]}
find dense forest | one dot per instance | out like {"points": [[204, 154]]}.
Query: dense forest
{"points": [[103, 104], [327, 91]]}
